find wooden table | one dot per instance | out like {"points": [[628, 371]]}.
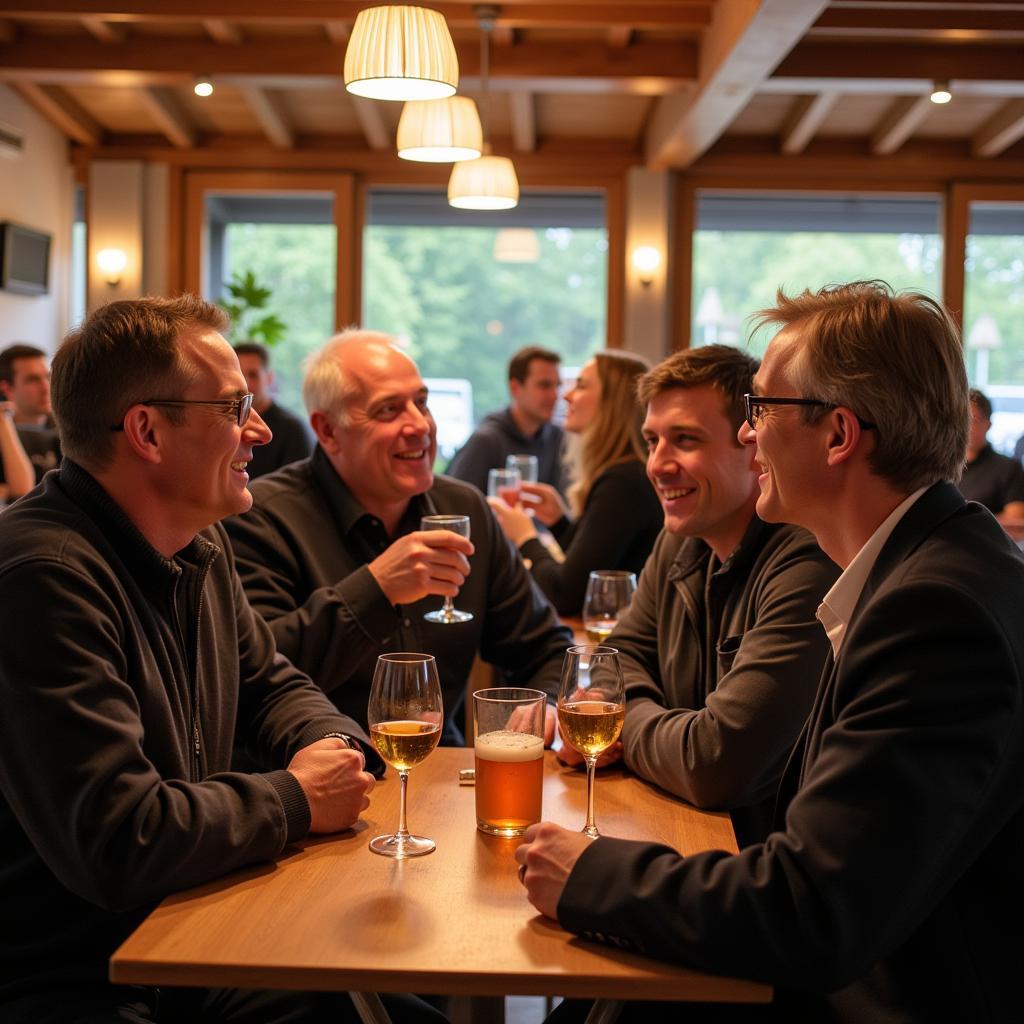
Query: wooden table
{"points": [[331, 915]]}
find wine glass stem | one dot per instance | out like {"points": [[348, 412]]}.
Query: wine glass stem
{"points": [[449, 607], [591, 826], [403, 778]]}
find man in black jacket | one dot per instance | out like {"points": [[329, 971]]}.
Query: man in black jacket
{"points": [[332, 553], [886, 890], [129, 657]]}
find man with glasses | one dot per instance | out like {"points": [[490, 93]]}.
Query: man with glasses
{"points": [[720, 648], [333, 555], [886, 890], [129, 662]]}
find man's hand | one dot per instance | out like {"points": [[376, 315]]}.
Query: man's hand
{"points": [[422, 563], [544, 501], [549, 854], [336, 787]]}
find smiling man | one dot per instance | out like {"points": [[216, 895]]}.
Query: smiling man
{"points": [[333, 557], [130, 663], [720, 648]]}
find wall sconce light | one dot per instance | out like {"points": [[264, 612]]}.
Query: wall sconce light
{"points": [[941, 93], [203, 86], [646, 260], [111, 263]]}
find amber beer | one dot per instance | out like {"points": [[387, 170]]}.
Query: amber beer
{"points": [[508, 724], [509, 781]]}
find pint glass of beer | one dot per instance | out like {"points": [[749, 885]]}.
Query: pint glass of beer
{"points": [[509, 745]]}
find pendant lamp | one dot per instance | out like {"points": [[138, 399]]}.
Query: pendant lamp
{"points": [[401, 53], [440, 131], [516, 245]]}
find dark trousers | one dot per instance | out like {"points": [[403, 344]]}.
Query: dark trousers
{"points": [[112, 1004]]}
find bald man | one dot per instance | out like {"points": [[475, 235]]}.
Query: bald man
{"points": [[333, 557]]}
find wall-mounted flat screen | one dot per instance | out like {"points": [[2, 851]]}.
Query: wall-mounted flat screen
{"points": [[24, 260]]}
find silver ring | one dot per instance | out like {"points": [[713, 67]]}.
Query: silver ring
{"points": [[522, 873]]}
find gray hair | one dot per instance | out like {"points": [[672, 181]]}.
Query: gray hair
{"points": [[325, 385]]}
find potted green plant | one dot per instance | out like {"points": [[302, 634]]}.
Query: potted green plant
{"points": [[246, 304]]}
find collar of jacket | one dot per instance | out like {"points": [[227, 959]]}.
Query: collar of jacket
{"points": [[695, 552], [145, 562]]}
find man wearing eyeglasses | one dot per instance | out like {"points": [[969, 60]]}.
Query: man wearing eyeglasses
{"points": [[886, 891], [130, 661]]}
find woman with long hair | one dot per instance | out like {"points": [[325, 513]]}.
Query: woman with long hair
{"points": [[615, 515]]}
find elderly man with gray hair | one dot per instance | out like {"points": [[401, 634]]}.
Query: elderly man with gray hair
{"points": [[333, 557]]}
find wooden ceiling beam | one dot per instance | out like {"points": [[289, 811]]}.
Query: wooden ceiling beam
{"points": [[806, 116], [105, 32], [524, 121], [269, 110], [8, 31], [646, 67], [503, 35], [223, 32], [898, 123], [620, 36], [745, 41], [370, 120], [666, 14], [958, 21], [1000, 131], [62, 112], [164, 107]]}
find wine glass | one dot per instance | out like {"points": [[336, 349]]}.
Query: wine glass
{"points": [[447, 613], [404, 716], [527, 465], [504, 484], [609, 592], [591, 708]]}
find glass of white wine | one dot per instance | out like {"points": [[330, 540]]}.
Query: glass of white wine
{"points": [[591, 708], [447, 613], [404, 715], [609, 592]]}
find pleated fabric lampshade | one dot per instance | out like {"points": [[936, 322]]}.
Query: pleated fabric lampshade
{"points": [[440, 131], [516, 245], [489, 183], [401, 53]]}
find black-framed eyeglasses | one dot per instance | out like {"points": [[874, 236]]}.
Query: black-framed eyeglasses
{"points": [[754, 408], [239, 407]]}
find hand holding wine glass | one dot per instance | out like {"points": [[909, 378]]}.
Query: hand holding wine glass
{"points": [[591, 708], [405, 715], [459, 525]]}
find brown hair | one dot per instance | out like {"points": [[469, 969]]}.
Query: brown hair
{"points": [[896, 360], [519, 364], [729, 370], [253, 348], [614, 434], [19, 350], [124, 353]]}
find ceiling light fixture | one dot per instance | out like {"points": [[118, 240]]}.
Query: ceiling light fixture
{"points": [[941, 93], [112, 263], [401, 53], [489, 182], [203, 86], [440, 131], [516, 245]]}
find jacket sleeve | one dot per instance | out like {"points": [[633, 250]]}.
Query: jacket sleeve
{"points": [[339, 625], [600, 538], [522, 634], [903, 793], [730, 752], [73, 756]]}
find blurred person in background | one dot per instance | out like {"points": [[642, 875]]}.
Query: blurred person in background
{"points": [[16, 470], [25, 383], [616, 515]]}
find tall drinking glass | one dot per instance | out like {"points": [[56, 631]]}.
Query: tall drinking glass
{"points": [[591, 708], [447, 613], [609, 592], [504, 484], [528, 466], [405, 715], [508, 724]]}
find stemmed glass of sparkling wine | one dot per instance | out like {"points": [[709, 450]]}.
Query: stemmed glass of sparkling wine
{"points": [[405, 715], [609, 592], [447, 613], [591, 708]]}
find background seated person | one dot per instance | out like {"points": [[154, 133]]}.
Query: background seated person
{"points": [[25, 383], [16, 472], [618, 515], [333, 557]]}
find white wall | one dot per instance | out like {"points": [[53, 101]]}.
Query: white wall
{"points": [[37, 190]]}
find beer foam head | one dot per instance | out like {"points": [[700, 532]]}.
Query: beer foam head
{"points": [[504, 745]]}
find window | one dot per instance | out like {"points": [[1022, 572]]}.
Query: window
{"points": [[747, 247], [441, 279], [79, 260]]}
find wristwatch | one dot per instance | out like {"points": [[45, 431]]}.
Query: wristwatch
{"points": [[349, 742]]}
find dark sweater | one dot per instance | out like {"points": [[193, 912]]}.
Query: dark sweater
{"points": [[123, 675]]}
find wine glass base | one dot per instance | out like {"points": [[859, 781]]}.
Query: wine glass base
{"points": [[591, 830], [402, 847], [445, 617]]}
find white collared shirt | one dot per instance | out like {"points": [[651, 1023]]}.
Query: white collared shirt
{"points": [[836, 608]]}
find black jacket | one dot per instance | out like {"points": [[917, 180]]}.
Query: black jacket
{"points": [[123, 675]]}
